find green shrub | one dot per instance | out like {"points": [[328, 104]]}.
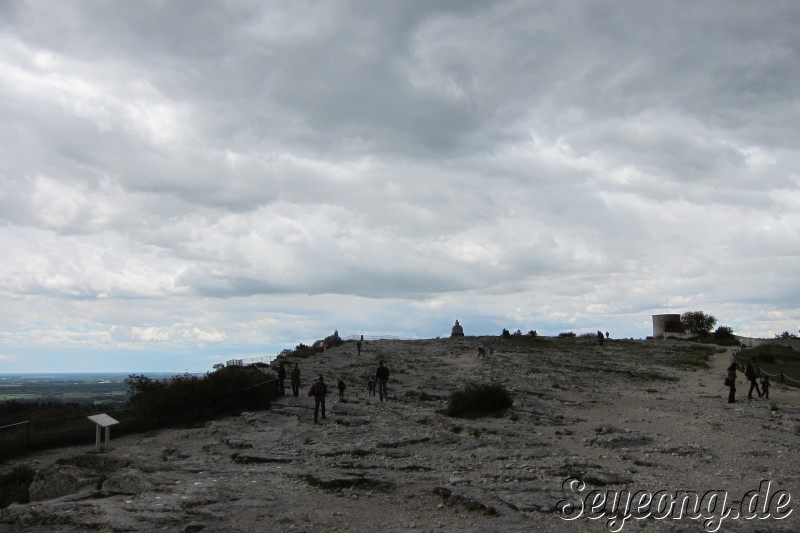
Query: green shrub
{"points": [[566, 334], [477, 400]]}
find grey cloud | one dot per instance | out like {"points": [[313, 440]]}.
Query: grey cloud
{"points": [[237, 167]]}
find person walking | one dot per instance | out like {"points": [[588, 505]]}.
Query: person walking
{"points": [[296, 380], [281, 379], [382, 378], [318, 390], [751, 372], [730, 381]]}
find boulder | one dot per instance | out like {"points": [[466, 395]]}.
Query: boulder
{"points": [[128, 481], [61, 480]]}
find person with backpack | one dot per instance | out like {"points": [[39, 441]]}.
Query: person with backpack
{"points": [[382, 378], [751, 372], [318, 390]]}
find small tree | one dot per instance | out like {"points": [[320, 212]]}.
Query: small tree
{"points": [[697, 322]]}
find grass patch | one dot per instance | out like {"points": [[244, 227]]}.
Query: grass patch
{"points": [[422, 396], [694, 357], [791, 371], [774, 359], [649, 376], [478, 400], [771, 353]]}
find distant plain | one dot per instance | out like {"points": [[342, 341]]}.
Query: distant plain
{"points": [[99, 388]]}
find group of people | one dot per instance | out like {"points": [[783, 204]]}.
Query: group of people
{"points": [[295, 379], [319, 389], [752, 373]]}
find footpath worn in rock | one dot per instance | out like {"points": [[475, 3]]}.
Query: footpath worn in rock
{"points": [[621, 418]]}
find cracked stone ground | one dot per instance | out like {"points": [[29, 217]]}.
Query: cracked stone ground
{"points": [[623, 416]]}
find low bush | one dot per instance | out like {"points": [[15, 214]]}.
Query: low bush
{"points": [[14, 486], [477, 400]]}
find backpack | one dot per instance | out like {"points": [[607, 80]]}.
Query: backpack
{"points": [[317, 389], [748, 371]]}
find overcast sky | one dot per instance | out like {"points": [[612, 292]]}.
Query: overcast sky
{"points": [[185, 181]]}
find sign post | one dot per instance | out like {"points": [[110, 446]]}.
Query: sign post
{"points": [[102, 421]]}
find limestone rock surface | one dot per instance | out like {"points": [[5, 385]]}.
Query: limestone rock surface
{"points": [[621, 417]]}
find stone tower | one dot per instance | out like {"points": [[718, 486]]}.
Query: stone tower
{"points": [[664, 324]]}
